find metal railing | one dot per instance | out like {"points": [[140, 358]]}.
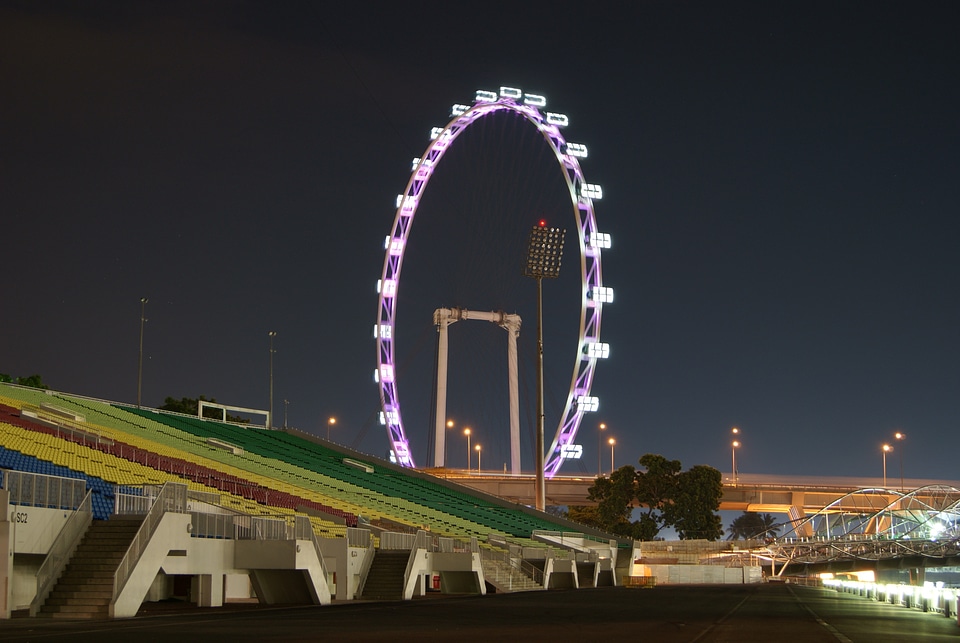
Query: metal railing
{"points": [[172, 497], [505, 558], [131, 504], [396, 541], [40, 490], [357, 537], [61, 550]]}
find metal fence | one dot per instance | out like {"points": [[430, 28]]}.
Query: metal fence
{"points": [[39, 490], [397, 541]]}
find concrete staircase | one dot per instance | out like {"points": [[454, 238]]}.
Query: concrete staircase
{"points": [[385, 578], [85, 588], [507, 578]]}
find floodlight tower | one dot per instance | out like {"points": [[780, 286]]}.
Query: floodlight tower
{"points": [[143, 319], [271, 335], [544, 252]]}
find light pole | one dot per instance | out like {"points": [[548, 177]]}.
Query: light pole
{"points": [[449, 426], [886, 448], [600, 430], [477, 447], [544, 252], [611, 442], [143, 319], [330, 422], [286, 404], [736, 443], [466, 432], [900, 437], [271, 335], [733, 452]]}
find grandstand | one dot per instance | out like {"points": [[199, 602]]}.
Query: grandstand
{"points": [[108, 506]]}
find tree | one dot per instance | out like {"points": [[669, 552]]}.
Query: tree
{"points": [[189, 406], [585, 515], [614, 496], [656, 489], [669, 497], [34, 381], [750, 525], [697, 499]]}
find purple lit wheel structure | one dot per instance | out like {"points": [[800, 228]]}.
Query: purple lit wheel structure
{"points": [[593, 294]]}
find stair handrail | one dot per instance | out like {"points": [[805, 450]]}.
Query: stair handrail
{"points": [[172, 497], [422, 541], [316, 547], [62, 549], [367, 562]]}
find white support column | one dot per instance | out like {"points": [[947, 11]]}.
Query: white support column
{"points": [[511, 324], [442, 317]]}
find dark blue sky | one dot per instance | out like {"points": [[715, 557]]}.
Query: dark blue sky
{"points": [[780, 181]]}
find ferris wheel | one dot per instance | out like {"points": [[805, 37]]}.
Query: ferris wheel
{"points": [[593, 294]]}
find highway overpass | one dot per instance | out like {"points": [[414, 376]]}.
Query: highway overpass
{"points": [[749, 492]]}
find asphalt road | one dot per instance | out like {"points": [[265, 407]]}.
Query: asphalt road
{"points": [[702, 614]]}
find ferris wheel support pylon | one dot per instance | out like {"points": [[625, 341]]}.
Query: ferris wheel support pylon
{"points": [[593, 294], [443, 317]]}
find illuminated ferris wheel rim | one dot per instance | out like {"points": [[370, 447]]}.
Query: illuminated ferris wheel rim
{"points": [[593, 294]]}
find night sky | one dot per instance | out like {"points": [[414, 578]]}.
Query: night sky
{"points": [[781, 182]]}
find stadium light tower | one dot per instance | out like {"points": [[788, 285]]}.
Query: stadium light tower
{"points": [[271, 335], [143, 319], [544, 252]]}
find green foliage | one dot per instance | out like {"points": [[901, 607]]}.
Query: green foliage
{"points": [[189, 406], [669, 497], [34, 381], [751, 525], [656, 489], [585, 515], [697, 498], [613, 496]]}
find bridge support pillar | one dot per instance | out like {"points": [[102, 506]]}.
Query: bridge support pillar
{"points": [[917, 576]]}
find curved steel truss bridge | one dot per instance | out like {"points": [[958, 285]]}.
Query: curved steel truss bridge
{"points": [[873, 525]]}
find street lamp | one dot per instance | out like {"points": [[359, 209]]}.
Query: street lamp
{"points": [[143, 319], [600, 430], [271, 335], [544, 252], [736, 443], [449, 426], [466, 432], [900, 437], [611, 442], [886, 449], [477, 447], [733, 451], [330, 422]]}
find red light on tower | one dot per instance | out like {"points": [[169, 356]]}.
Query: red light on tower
{"points": [[543, 223]]}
